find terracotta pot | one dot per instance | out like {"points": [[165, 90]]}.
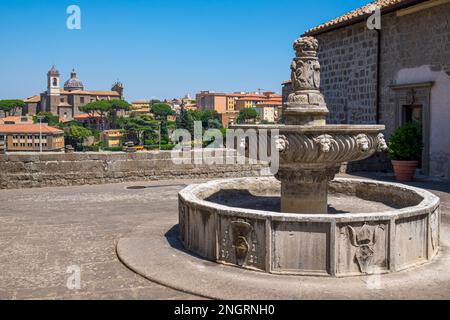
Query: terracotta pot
{"points": [[404, 170]]}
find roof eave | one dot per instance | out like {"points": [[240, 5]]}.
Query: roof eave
{"points": [[343, 24]]}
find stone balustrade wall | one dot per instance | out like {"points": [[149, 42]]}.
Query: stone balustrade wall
{"points": [[31, 170]]}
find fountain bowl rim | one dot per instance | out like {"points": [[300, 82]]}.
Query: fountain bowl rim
{"points": [[429, 203], [316, 129]]}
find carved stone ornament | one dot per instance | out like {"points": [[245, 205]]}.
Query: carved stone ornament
{"points": [[362, 142], [281, 143], [381, 143], [325, 141], [305, 68], [364, 239], [241, 230]]}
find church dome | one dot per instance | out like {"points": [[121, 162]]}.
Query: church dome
{"points": [[73, 83]]}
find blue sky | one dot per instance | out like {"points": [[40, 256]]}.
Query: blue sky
{"points": [[157, 48]]}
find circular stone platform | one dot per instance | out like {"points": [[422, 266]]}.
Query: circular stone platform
{"points": [[218, 221], [157, 254]]}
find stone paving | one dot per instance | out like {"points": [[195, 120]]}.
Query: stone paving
{"points": [[44, 231]]}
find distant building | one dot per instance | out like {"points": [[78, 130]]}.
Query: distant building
{"points": [[66, 102], [92, 121], [228, 104], [171, 117], [140, 107], [270, 110], [113, 138], [29, 137], [16, 120], [228, 118], [207, 100]]}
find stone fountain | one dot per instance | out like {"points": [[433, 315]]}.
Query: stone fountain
{"points": [[286, 224]]}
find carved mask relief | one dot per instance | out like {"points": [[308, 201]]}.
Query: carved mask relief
{"points": [[364, 239], [240, 233]]}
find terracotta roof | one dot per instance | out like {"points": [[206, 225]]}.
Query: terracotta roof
{"points": [[144, 110], [104, 93], [141, 102], [86, 116], [33, 99], [360, 13], [28, 128], [252, 99], [269, 103], [75, 92], [15, 119]]}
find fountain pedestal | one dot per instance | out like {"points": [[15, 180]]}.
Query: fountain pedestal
{"points": [[305, 189]]}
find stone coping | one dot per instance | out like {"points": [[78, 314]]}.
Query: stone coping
{"points": [[329, 128], [428, 203], [336, 245], [157, 254]]}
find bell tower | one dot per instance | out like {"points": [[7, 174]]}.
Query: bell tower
{"points": [[118, 87], [53, 85]]}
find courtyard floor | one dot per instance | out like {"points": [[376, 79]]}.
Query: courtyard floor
{"points": [[45, 231]]}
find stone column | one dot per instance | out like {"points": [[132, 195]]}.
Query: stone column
{"points": [[305, 190], [306, 105]]}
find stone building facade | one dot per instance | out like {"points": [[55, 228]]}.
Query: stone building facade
{"points": [[28, 137], [65, 102], [388, 75]]}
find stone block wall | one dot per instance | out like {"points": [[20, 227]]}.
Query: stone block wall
{"points": [[22, 170], [348, 60], [410, 41], [410, 44]]}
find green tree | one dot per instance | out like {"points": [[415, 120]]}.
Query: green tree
{"points": [[161, 111], [196, 115], [210, 118], [106, 109], [153, 101], [116, 106], [75, 135], [47, 117], [185, 121], [9, 107], [247, 115], [100, 107], [140, 128]]}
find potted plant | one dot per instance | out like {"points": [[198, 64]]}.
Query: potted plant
{"points": [[405, 149]]}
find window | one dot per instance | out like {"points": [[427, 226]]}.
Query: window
{"points": [[55, 82], [81, 99], [413, 113]]}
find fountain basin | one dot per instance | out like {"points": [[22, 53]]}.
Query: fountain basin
{"points": [[219, 221], [310, 156]]}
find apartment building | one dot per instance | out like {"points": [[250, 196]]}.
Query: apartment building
{"points": [[31, 137]]}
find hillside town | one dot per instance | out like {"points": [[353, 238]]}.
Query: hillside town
{"points": [[71, 117]]}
